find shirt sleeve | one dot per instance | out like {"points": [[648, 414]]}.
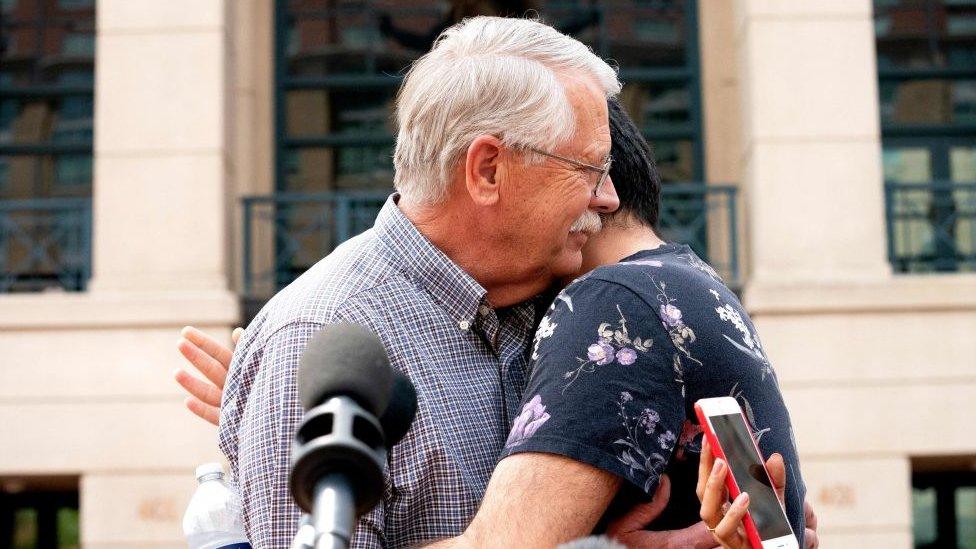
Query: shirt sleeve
{"points": [[260, 415], [603, 388]]}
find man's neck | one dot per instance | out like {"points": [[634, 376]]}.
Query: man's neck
{"points": [[440, 226]]}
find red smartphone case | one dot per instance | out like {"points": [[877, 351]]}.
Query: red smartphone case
{"points": [[733, 487]]}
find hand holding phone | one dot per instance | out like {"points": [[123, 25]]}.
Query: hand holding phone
{"points": [[764, 523]]}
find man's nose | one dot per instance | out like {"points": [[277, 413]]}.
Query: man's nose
{"points": [[606, 200]]}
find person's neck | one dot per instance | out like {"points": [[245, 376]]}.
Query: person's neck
{"points": [[440, 225], [618, 239]]}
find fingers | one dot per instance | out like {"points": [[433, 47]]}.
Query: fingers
{"points": [[642, 514], [204, 411], [810, 539], [199, 389], [776, 468], [704, 467], [696, 536], [208, 345], [727, 531], [205, 361], [715, 494], [809, 515], [235, 336]]}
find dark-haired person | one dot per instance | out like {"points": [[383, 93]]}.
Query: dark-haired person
{"points": [[615, 371], [617, 364]]}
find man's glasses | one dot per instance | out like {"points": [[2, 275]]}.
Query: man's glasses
{"points": [[603, 172]]}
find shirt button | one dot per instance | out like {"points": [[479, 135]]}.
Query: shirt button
{"points": [[484, 310], [464, 324]]}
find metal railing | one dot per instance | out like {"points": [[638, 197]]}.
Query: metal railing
{"points": [[931, 226], [286, 233], [45, 244]]}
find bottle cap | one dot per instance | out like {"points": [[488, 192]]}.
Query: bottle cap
{"points": [[209, 469]]}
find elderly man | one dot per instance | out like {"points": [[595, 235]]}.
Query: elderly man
{"points": [[502, 131]]}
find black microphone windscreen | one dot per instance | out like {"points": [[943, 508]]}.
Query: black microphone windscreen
{"points": [[400, 411], [345, 359]]}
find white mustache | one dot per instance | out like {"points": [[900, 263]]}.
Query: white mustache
{"points": [[588, 223]]}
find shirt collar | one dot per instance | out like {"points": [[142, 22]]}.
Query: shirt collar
{"points": [[428, 267]]}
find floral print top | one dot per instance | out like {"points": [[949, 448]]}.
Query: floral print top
{"points": [[620, 359]]}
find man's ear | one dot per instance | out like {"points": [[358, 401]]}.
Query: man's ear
{"points": [[481, 168]]}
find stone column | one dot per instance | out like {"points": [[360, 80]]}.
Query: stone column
{"points": [[161, 147], [163, 194], [875, 368], [811, 146]]}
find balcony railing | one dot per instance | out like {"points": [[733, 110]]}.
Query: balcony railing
{"points": [[931, 226], [286, 233], [45, 244]]}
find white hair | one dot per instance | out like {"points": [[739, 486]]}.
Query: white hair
{"points": [[487, 75]]}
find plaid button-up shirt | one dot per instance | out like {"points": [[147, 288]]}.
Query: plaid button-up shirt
{"points": [[467, 361]]}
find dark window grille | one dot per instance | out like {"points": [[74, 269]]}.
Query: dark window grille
{"points": [[927, 94], [46, 120], [338, 65]]}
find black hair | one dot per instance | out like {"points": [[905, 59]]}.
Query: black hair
{"points": [[634, 172]]}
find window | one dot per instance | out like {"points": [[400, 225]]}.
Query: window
{"points": [[339, 64], [944, 509], [927, 95], [39, 513], [46, 120]]}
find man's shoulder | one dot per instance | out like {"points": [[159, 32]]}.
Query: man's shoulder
{"points": [[327, 291]]}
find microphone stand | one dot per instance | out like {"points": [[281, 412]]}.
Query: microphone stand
{"points": [[328, 530], [334, 513], [305, 536]]}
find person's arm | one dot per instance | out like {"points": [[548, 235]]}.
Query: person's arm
{"points": [[538, 500], [260, 412]]}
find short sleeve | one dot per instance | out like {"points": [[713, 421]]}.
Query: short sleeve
{"points": [[603, 388]]}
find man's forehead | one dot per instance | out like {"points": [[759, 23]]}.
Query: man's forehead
{"points": [[592, 116]]}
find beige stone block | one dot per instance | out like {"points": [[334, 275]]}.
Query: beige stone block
{"points": [[816, 212], [861, 539], [810, 79], [720, 93], [40, 365], [823, 9], [134, 509], [146, 15], [67, 436], [859, 494], [159, 92], [866, 349], [160, 223], [899, 293], [863, 420], [128, 310]]}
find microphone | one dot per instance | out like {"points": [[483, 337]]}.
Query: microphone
{"points": [[400, 410], [345, 382]]}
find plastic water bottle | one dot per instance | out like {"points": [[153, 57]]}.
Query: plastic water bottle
{"points": [[213, 519]]}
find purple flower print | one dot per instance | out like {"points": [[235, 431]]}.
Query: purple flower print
{"points": [[626, 356], [666, 440], [528, 422], [601, 353], [671, 315], [649, 420]]}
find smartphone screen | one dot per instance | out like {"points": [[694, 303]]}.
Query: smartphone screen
{"points": [[750, 475]]}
